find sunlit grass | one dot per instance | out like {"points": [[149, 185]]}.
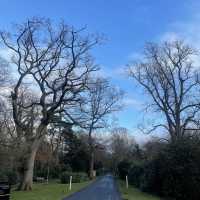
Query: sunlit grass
{"points": [[52, 191]]}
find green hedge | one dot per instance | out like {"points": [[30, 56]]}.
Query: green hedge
{"points": [[173, 173], [135, 173], [9, 176], [77, 177], [123, 168]]}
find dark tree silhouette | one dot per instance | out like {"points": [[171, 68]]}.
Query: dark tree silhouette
{"points": [[168, 76], [53, 64]]}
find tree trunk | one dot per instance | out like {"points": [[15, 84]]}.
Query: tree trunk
{"points": [[91, 165], [27, 180]]}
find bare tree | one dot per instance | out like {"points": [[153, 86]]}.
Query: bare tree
{"points": [[122, 146], [169, 76], [4, 72], [53, 67], [4, 107], [101, 100]]}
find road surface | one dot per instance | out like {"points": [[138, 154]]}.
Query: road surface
{"points": [[102, 189]]}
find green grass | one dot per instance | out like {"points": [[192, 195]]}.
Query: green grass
{"points": [[52, 191], [134, 194]]}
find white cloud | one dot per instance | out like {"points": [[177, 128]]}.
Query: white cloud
{"points": [[170, 36], [139, 137], [186, 30], [135, 56], [132, 102], [115, 73], [6, 53]]}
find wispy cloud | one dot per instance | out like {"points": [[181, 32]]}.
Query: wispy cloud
{"points": [[187, 30], [6, 53], [132, 102]]}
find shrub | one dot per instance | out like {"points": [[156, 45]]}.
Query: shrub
{"points": [[101, 171], [12, 177], [179, 170], [55, 172], [173, 172], [135, 173], [66, 168], [76, 177], [9, 176], [150, 178], [3, 176], [79, 177], [123, 168]]}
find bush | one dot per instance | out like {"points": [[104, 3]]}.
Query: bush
{"points": [[123, 168], [76, 177], [9, 176], [66, 168], [135, 173], [174, 172], [179, 172], [55, 172], [150, 178], [3, 176], [101, 171], [12, 177]]}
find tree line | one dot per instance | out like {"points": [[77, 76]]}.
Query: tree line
{"points": [[169, 167], [54, 106], [54, 86]]}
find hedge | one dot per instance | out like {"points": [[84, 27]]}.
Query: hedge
{"points": [[173, 173], [77, 177]]}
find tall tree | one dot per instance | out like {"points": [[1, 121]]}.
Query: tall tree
{"points": [[122, 146], [102, 99], [76, 152], [54, 63], [168, 75]]}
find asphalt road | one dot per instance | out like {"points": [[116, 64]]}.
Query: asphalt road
{"points": [[102, 189]]}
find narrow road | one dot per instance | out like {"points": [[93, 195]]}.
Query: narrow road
{"points": [[103, 189]]}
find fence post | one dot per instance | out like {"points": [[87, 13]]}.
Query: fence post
{"points": [[127, 182], [70, 183], [48, 175]]}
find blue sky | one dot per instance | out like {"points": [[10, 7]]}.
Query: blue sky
{"points": [[127, 25]]}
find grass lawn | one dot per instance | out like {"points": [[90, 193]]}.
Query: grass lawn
{"points": [[52, 191], [133, 193]]}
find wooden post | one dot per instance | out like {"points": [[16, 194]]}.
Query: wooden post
{"points": [[48, 174], [127, 182], [70, 183]]}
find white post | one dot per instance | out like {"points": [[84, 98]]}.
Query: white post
{"points": [[48, 175], [127, 182], [70, 183]]}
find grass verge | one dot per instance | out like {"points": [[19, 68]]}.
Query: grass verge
{"points": [[52, 191], [134, 194]]}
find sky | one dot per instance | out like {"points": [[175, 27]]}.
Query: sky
{"points": [[127, 25]]}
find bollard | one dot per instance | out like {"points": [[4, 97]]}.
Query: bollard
{"points": [[70, 183], [127, 182]]}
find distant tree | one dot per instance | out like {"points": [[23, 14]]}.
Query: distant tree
{"points": [[101, 100], [76, 152], [53, 65], [122, 146], [5, 75], [169, 77]]}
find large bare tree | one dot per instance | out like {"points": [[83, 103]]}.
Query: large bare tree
{"points": [[53, 64], [169, 77], [101, 100]]}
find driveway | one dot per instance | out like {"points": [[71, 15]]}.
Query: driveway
{"points": [[102, 189]]}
